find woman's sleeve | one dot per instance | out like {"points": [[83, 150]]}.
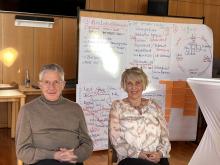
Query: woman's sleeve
{"points": [[164, 145], [117, 136], [24, 146]]}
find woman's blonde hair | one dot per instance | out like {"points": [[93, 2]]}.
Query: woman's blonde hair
{"points": [[134, 73]]}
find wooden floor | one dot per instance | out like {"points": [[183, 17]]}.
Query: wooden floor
{"points": [[180, 154]]}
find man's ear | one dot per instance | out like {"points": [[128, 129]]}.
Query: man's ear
{"points": [[64, 83], [39, 84]]}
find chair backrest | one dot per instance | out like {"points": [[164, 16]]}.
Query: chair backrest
{"points": [[112, 154]]}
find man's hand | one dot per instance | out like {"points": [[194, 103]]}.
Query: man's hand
{"points": [[65, 155]]}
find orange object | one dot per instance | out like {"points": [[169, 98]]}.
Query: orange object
{"points": [[179, 95]]}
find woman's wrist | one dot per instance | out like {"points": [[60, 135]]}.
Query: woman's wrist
{"points": [[160, 153]]}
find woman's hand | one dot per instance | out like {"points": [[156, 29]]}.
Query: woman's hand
{"points": [[155, 156], [151, 156], [143, 155]]}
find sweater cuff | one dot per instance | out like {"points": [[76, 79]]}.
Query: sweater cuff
{"points": [[164, 153], [82, 154], [48, 155]]}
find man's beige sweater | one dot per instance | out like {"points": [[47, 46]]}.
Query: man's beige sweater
{"points": [[45, 126]]}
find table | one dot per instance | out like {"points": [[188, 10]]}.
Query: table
{"points": [[207, 93], [17, 99]]}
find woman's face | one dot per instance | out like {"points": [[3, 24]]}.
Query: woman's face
{"points": [[134, 88]]}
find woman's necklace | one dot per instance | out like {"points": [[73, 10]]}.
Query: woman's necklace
{"points": [[136, 104]]}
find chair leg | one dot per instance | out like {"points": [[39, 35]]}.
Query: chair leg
{"points": [[110, 157], [19, 162]]}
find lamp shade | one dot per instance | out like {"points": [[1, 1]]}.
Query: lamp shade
{"points": [[8, 56]]}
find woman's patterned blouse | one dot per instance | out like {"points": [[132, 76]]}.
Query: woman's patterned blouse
{"points": [[132, 130]]}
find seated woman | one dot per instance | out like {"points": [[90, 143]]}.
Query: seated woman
{"points": [[138, 129]]}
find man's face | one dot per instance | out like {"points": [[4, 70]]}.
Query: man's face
{"points": [[51, 85]]}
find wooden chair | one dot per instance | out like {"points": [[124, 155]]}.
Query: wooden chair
{"points": [[112, 158], [112, 155], [19, 162]]}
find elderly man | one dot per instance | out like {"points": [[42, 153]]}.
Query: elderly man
{"points": [[51, 130]]}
